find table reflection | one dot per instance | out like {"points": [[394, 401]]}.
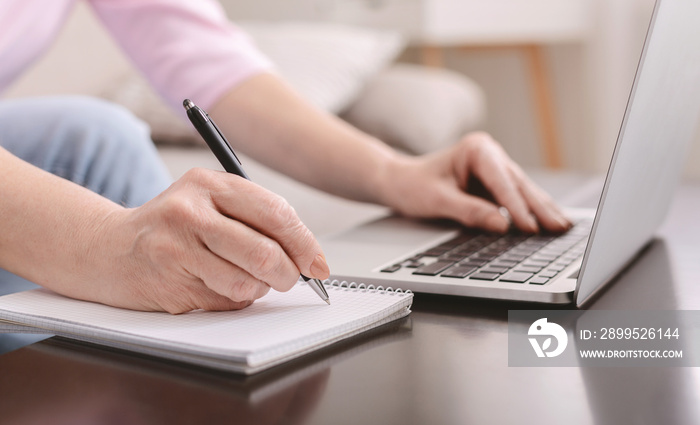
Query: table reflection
{"points": [[634, 394], [62, 382]]}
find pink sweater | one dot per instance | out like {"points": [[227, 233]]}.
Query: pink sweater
{"points": [[186, 48]]}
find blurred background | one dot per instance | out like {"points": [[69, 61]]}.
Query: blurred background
{"points": [[548, 78]]}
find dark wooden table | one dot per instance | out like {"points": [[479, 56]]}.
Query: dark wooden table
{"points": [[445, 364]]}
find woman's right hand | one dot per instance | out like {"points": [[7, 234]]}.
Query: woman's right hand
{"points": [[212, 241]]}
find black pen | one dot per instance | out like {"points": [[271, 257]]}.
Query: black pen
{"points": [[228, 159]]}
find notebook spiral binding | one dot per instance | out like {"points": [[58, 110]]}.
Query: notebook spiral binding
{"points": [[335, 283]]}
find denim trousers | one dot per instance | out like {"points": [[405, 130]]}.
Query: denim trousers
{"points": [[98, 145]]}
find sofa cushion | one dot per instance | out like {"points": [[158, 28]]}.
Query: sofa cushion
{"points": [[418, 109], [329, 64]]}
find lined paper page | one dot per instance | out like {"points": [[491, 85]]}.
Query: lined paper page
{"points": [[274, 325]]}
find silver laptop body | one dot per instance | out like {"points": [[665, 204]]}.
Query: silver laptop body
{"points": [[658, 126]]}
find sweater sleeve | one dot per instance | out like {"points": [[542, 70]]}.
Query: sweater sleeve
{"points": [[185, 48]]}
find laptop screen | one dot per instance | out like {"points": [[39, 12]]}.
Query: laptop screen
{"points": [[658, 126]]}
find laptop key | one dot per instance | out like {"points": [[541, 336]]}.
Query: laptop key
{"points": [[485, 256], [557, 267], [484, 276], [527, 269], [544, 257], [535, 263], [516, 277], [538, 280], [473, 262], [549, 273], [458, 271], [495, 269], [452, 257], [391, 269], [411, 264], [504, 263], [416, 257], [433, 269], [514, 257]]}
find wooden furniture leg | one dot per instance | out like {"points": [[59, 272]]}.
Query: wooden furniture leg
{"points": [[544, 105], [432, 56]]}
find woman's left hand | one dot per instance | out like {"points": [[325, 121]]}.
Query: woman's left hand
{"points": [[470, 182]]}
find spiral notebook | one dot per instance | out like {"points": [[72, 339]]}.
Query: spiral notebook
{"points": [[277, 328]]}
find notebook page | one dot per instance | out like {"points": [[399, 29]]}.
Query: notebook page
{"points": [[255, 362], [278, 323]]}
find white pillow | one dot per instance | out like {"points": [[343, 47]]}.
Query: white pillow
{"points": [[329, 64], [418, 109]]}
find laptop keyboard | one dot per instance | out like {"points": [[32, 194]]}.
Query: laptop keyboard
{"points": [[516, 258]]}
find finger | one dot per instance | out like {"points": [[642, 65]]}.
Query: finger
{"points": [[211, 301], [254, 253], [547, 212], [495, 176], [472, 211], [229, 280], [197, 296], [273, 217]]}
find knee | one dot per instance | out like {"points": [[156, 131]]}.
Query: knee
{"points": [[51, 131], [99, 145], [124, 163], [70, 123], [107, 122], [108, 133]]}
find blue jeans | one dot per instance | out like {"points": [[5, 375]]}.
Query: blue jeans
{"points": [[91, 142]]}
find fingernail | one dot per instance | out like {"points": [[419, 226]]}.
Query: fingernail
{"points": [[506, 214], [319, 268]]}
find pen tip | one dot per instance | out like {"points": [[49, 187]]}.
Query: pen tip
{"points": [[328, 302], [188, 104]]}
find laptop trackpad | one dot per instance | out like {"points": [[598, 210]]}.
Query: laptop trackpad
{"points": [[377, 242]]}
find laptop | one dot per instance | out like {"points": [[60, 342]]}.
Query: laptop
{"points": [[658, 126]]}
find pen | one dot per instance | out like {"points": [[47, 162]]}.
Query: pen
{"points": [[227, 157]]}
